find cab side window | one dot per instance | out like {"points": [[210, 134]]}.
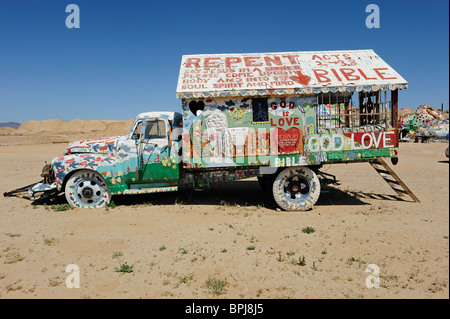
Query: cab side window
{"points": [[137, 131], [155, 129]]}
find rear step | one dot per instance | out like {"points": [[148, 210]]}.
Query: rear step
{"points": [[392, 179]]}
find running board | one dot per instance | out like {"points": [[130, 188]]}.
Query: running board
{"points": [[150, 190], [392, 179]]}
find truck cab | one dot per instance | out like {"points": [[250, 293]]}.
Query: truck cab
{"points": [[144, 161]]}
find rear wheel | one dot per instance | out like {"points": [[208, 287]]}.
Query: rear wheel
{"points": [[296, 188], [87, 189]]}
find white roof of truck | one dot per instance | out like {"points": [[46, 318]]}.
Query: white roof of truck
{"points": [[284, 73], [167, 115]]}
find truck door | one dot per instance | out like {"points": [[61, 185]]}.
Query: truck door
{"points": [[156, 166]]}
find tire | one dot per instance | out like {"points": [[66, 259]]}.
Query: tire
{"points": [[87, 189], [296, 189]]}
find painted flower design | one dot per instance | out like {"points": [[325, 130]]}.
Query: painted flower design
{"points": [[169, 162], [238, 113]]}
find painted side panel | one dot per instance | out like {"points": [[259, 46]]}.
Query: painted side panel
{"points": [[275, 131]]}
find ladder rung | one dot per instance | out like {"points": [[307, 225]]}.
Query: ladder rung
{"points": [[390, 181], [379, 170], [398, 189]]}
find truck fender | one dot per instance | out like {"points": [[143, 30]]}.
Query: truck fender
{"points": [[64, 166]]}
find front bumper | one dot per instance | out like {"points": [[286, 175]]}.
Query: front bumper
{"points": [[41, 187]]}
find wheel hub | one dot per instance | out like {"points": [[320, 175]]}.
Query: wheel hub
{"points": [[87, 192], [297, 185]]}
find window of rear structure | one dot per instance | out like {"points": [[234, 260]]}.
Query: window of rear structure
{"points": [[353, 112]]}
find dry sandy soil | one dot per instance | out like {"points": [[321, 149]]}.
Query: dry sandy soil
{"points": [[179, 243]]}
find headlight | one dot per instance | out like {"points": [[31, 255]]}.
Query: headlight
{"points": [[47, 174]]}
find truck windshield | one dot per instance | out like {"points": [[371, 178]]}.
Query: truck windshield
{"points": [[155, 129]]}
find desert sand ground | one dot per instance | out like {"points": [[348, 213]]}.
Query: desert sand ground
{"points": [[179, 243]]}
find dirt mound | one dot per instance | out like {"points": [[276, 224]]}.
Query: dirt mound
{"points": [[86, 127], [405, 112], [34, 127], [82, 126], [7, 131], [118, 128]]}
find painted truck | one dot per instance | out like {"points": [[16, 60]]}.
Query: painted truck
{"points": [[275, 116]]}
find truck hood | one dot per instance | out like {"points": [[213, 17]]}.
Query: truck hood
{"points": [[106, 145]]}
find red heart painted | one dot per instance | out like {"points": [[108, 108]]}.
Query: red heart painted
{"points": [[287, 140], [300, 78]]}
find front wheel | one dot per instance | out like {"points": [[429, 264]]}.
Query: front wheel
{"points": [[296, 188], [87, 189]]}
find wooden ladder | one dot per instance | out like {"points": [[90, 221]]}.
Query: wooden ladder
{"points": [[392, 179]]}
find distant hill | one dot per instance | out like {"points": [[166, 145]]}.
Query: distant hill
{"points": [[97, 128], [13, 125]]}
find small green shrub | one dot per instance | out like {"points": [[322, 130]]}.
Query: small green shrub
{"points": [[217, 286], [301, 261], [117, 254], [308, 230], [13, 235], [111, 205], [124, 268], [50, 241], [61, 207]]}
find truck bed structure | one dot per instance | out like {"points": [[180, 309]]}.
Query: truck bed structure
{"points": [[287, 109], [287, 113]]}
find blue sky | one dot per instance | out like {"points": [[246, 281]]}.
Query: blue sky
{"points": [[125, 57]]}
